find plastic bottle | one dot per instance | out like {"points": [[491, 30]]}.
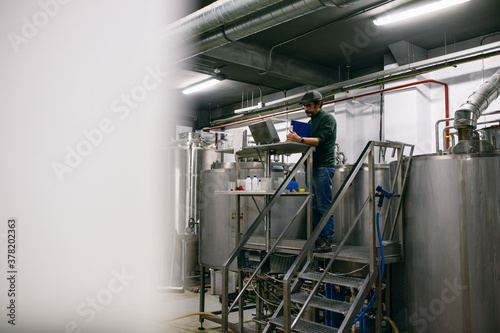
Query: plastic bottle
{"points": [[248, 184], [259, 187], [255, 183]]}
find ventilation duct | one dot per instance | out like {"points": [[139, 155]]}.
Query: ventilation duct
{"points": [[215, 15], [229, 21], [467, 114]]}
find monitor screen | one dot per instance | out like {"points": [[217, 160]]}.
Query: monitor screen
{"points": [[264, 132]]}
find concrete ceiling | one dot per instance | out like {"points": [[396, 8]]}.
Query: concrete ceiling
{"points": [[332, 45]]}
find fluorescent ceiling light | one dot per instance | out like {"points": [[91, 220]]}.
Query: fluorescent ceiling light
{"points": [[200, 86], [438, 5], [250, 108]]}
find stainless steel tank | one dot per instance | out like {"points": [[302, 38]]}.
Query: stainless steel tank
{"points": [[354, 199], [450, 281], [186, 158], [218, 211]]}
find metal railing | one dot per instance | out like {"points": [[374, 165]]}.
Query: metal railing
{"points": [[285, 306], [368, 152]]}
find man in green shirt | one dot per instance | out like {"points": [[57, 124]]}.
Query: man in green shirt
{"points": [[323, 136]]}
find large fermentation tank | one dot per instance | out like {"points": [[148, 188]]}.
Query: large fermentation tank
{"points": [[186, 158], [218, 211], [353, 201], [450, 281]]}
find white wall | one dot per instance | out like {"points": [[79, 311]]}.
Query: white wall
{"points": [[82, 76]]}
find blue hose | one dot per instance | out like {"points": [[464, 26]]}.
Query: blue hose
{"points": [[383, 265]]}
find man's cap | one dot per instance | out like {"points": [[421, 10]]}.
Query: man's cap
{"points": [[311, 96]]}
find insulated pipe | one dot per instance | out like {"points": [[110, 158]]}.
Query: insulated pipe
{"points": [[214, 15], [220, 29], [446, 104], [467, 114]]}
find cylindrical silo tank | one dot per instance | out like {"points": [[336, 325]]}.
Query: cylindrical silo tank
{"points": [[450, 280], [186, 158]]}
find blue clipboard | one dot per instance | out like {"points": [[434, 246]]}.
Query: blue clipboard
{"points": [[302, 129]]}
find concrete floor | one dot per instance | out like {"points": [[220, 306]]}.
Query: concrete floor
{"points": [[180, 304]]}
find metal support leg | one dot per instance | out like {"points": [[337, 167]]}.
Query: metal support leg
{"points": [[202, 297], [259, 304], [225, 300], [287, 307], [388, 296], [240, 303]]}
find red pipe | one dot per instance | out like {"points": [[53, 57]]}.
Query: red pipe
{"points": [[446, 105]]}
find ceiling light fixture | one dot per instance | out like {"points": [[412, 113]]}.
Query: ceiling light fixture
{"points": [[260, 105], [438, 5], [200, 86]]}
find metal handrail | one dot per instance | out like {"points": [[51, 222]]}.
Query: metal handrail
{"points": [[402, 189], [367, 152], [249, 233], [287, 322], [330, 263]]}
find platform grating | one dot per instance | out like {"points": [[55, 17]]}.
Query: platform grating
{"points": [[345, 281], [306, 326], [323, 303]]}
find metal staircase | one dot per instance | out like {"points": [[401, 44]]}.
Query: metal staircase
{"points": [[306, 260]]}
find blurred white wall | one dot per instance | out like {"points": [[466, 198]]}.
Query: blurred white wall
{"points": [[83, 118]]}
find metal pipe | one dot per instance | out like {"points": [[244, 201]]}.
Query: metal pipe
{"points": [[480, 123], [467, 114], [446, 132], [464, 56], [446, 102], [436, 127]]}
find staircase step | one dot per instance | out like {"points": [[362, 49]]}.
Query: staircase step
{"points": [[345, 281], [306, 326], [354, 253], [323, 303], [361, 254]]}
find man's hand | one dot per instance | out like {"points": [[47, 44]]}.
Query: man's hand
{"points": [[293, 137]]}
